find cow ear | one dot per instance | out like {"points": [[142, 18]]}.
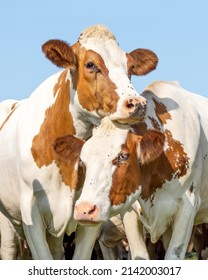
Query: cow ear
{"points": [[59, 53], [151, 146], [68, 147], [144, 61]]}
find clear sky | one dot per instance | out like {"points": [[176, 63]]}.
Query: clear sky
{"points": [[176, 30]]}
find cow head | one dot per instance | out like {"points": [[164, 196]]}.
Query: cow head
{"points": [[101, 73], [114, 159]]}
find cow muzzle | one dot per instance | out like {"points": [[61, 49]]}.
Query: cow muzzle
{"points": [[86, 213], [135, 109]]}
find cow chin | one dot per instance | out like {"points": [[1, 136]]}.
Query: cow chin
{"points": [[89, 223], [130, 121]]}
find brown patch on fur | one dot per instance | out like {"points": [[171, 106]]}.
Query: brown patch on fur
{"points": [[161, 112], [176, 155], [155, 167], [95, 90], [126, 177], [62, 78], [58, 121], [172, 163]]}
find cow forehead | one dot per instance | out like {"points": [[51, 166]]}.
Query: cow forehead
{"points": [[106, 142], [109, 50], [101, 148]]}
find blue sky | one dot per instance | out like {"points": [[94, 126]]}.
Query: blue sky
{"points": [[177, 31]]}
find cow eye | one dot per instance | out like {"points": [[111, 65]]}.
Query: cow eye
{"points": [[92, 67], [122, 157]]}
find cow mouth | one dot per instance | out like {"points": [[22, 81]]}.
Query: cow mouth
{"points": [[131, 120], [138, 115]]}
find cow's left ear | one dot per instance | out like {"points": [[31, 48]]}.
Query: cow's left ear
{"points": [[60, 53], [151, 146], [144, 61], [68, 147]]}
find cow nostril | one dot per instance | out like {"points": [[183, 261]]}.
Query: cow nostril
{"points": [[92, 210], [129, 103]]}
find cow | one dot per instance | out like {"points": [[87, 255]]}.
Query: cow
{"points": [[162, 163], [37, 187]]}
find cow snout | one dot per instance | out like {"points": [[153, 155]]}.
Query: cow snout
{"points": [[135, 109], [86, 212]]}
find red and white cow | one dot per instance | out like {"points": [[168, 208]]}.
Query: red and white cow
{"points": [[37, 187], [162, 163]]}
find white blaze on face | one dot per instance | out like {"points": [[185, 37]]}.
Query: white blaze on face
{"points": [[98, 155]]}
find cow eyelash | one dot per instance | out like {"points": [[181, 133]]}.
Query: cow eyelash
{"points": [[121, 158], [92, 67]]}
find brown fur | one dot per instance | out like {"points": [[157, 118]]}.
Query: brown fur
{"points": [[58, 121], [155, 167], [126, 177], [161, 112], [144, 61], [95, 90], [151, 146], [176, 155], [59, 53], [68, 148]]}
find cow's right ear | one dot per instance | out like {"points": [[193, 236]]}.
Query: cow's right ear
{"points": [[68, 147], [60, 53]]}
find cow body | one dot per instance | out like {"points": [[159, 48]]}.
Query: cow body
{"points": [[38, 188], [162, 163]]}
